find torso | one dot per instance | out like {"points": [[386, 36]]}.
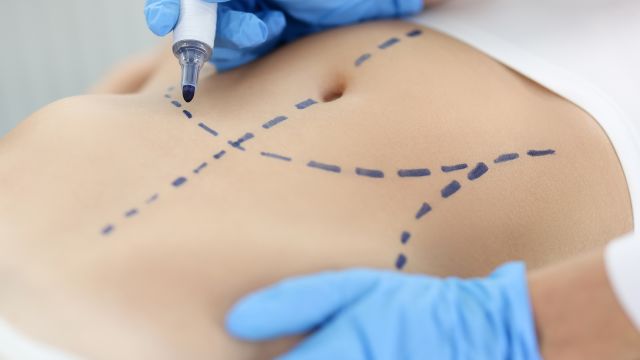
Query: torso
{"points": [[158, 282]]}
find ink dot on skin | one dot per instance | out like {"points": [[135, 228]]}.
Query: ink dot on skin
{"points": [[389, 43], [176, 103], [219, 155], [360, 60], [414, 33], [377, 174], [152, 199], [401, 261], [171, 88], [131, 213], [200, 168], [107, 229], [325, 167], [424, 210], [273, 122], [535, 153], [204, 127], [305, 104], [275, 156], [506, 157], [450, 189], [167, 96], [179, 181], [451, 168], [414, 172], [187, 114], [478, 171], [404, 238]]}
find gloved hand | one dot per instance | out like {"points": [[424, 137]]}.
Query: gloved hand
{"points": [[365, 314], [248, 29]]}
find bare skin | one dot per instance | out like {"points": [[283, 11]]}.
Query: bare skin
{"points": [[158, 285]]}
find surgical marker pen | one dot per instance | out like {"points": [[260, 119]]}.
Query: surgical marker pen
{"points": [[193, 41]]}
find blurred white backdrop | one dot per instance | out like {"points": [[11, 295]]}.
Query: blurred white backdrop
{"points": [[54, 49]]}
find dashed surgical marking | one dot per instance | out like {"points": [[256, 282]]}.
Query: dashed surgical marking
{"points": [[451, 168], [200, 168], [389, 43], [404, 237], [238, 143], [535, 153], [478, 171], [424, 210], [273, 122], [325, 167], [414, 172], [131, 213], [401, 261], [179, 181], [305, 104], [187, 113], [167, 96], [414, 33], [152, 199], [506, 157], [204, 127], [372, 173], [275, 156], [219, 155], [107, 229], [171, 88], [176, 103], [360, 60], [450, 189]]}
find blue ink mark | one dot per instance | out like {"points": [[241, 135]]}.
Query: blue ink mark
{"points": [[401, 261], [453, 167], [326, 167], [152, 199], [131, 213], [414, 172], [204, 127], [404, 238], [478, 171], [506, 157], [424, 210], [167, 96], [414, 33], [362, 59], [275, 156], [219, 155], [273, 122], [179, 181], [450, 189], [187, 114], [200, 168], [305, 104], [107, 230], [238, 143], [541, 152], [370, 173], [389, 43], [176, 103], [171, 88]]}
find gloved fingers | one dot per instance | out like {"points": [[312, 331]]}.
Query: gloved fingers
{"points": [[244, 37], [161, 15], [298, 305], [341, 12]]}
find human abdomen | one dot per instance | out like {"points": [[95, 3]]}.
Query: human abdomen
{"points": [[375, 145]]}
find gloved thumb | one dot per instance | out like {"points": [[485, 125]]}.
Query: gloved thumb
{"points": [[297, 305]]}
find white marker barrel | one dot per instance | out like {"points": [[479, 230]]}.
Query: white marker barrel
{"points": [[198, 21]]}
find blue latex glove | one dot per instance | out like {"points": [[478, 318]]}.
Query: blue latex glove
{"points": [[365, 314], [248, 29]]}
